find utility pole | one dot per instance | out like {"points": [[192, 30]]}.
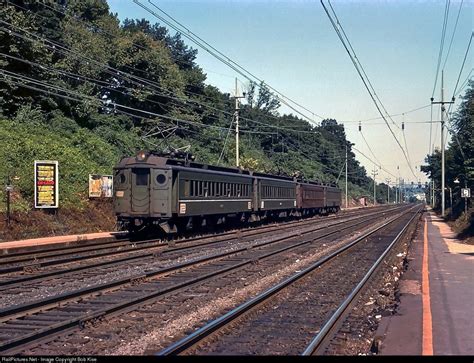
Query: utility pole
{"points": [[396, 191], [442, 144], [402, 190], [374, 173], [388, 190], [346, 177], [237, 156], [433, 195], [442, 141]]}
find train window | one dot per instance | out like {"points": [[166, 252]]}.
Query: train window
{"points": [[228, 189], [122, 178], [186, 188], [141, 176], [161, 179]]}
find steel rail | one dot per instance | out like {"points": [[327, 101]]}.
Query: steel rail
{"points": [[203, 332], [45, 275], [35, 255], [321, 339], [148, 244], [8, 314], [12, 258]]}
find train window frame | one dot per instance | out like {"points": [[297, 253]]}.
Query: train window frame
{"points": [[186, 188], [142, 177]]}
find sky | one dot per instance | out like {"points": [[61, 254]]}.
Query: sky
{"points": [[292, 46]]}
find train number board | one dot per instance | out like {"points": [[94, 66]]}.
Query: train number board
{"points": [[46, 184], [466, 193]]}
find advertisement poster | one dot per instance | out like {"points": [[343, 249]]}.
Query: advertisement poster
{"points": [[46, 184], [100, 186]]}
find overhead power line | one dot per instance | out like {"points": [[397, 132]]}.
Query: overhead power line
{"points": [[80, 97], [463, 62], [441, 45], [354, 54], [454, 32], [355, 63], [392, 115], [370, 149], [135, 80], [382, 168], [222, 57]]}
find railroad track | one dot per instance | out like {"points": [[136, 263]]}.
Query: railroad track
{"points": [[52, 256], [37, 275], [297, 316], [32, 322]]}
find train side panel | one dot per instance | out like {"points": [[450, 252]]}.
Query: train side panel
{"points": [[276, 194], [311, 196], [333, 197], [201, 193]]}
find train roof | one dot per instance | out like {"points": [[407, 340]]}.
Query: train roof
{"points": [[157, 161]]}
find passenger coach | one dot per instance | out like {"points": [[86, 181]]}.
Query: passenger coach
{"points": [[153, 190]]}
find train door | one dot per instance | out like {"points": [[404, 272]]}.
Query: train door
{"points": [[161, 186], [122, 192], [140, 190]]}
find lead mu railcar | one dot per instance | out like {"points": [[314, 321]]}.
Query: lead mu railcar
{"points": [[152, 190]]}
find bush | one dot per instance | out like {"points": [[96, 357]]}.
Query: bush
{"points": [[80, 152]]}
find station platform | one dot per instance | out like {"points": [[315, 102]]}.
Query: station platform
{"points": [[56, 241], [436, 311]]}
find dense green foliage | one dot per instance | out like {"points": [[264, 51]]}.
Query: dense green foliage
{"points": [[92, 89], [459, 156]]}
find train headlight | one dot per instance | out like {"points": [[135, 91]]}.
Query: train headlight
{"points": [[141, 156]]}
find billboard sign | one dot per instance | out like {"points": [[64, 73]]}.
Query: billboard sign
{"points": [[100, 186], [46, 184]]}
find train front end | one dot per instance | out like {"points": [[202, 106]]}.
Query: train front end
{"points": [[142, 192]]}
